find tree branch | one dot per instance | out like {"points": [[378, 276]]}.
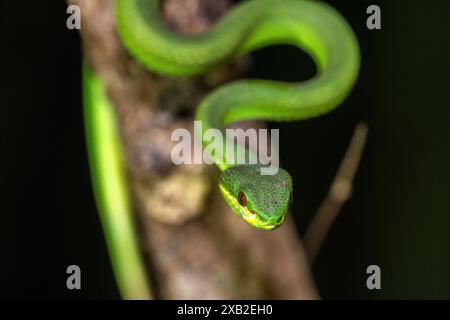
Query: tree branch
{"points": [[340, 191], [194, 247]]}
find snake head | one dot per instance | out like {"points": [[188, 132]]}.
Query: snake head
{"points": [[261, 200]]}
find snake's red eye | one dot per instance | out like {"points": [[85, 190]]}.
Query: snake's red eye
{"points": [[242, 199], [291, 198]]}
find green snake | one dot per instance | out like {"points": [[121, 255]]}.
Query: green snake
{"points": [[315, 27]]}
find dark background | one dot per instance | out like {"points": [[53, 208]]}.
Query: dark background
{"points": [[398, 218]]}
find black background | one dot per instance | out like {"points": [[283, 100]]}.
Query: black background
{"points": [[398, 218]]}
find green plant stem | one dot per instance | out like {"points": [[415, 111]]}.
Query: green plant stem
{"points": [[110, 189]]}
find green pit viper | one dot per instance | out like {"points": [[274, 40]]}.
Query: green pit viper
{"points": [[315, 27]]}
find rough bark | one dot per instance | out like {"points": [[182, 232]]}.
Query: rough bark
{"points": [[195, 248]]}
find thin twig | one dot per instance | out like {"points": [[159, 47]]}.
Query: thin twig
{"points": [[340, 191]]}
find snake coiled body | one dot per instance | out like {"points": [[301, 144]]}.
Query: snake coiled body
{"points": [[312, 26]]}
